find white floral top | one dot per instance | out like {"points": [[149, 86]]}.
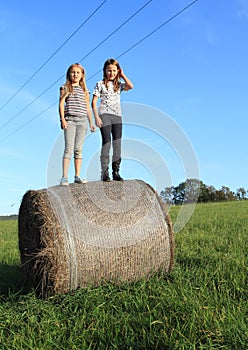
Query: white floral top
{"points": [[110, 100]]}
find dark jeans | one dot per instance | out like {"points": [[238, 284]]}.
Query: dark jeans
{"points": [[112, 126]]}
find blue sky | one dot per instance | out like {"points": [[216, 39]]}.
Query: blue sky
{"points": [[187, 113]]}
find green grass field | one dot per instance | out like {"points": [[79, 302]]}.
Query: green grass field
{"points": [[201, 304]]}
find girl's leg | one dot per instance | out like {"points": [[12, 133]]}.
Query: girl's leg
{"points": [[116, 160], [69, 135], [77, 165], [106, 144], [81, 129], [65, 167], [117, 135]]}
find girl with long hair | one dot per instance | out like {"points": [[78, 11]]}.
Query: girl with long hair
{"points": [[108, 117], [74, 111]]}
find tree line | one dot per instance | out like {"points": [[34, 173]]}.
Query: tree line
{"points": [[194, 190], [9, 217]]}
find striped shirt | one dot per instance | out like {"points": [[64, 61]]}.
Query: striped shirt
{"points": [[75, 104]]}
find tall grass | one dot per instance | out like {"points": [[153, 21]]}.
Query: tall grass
{"points": [[9, 257], [200, 305]]}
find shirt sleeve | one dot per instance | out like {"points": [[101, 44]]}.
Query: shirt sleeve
{"points": [[97, 89], [122, 86]]}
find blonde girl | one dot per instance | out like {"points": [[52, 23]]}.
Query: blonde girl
{"points": [[74, 112]]}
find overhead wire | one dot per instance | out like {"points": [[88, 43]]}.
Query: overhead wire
{"points": [[90, 52], [122, 54], [29, 121], [116, 30], [150, 34], [53, 54]]}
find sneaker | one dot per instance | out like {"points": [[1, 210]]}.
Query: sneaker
{"points": [[78, 180], [64, 181]]}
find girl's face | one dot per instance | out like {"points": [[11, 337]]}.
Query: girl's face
{"points": [[75, 75], [111, 72]]}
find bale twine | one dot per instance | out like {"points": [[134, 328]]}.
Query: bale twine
{"points": [[84, 234]]}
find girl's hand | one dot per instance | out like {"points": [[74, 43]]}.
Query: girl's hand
{"points": [[99, 122], [63, 124], [121, 73], [92, 128]]}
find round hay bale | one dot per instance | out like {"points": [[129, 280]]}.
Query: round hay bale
{"points": [[84, 234]]}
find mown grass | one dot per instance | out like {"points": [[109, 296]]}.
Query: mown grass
{"points": [[200, 305]]}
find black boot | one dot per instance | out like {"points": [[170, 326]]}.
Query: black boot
{"points": [[116, 168], [105, 169], [105, 175]]}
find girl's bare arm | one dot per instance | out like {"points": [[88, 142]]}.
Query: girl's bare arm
{"points": [[62, 109], [95, 111], [128, 83]]}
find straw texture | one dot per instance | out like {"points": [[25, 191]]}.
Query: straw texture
{"points": [[85, 234]]}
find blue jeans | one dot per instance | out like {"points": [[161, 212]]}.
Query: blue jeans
{"points": [[74, 138]]}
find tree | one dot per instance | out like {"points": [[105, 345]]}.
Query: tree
{"points": [[226, 194], [194, 190], [204, 195], [186, 192], [179, 193], [241, 193], [211, 193], [168, 195]]}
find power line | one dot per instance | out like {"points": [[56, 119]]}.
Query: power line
{"points": [[28, 105], [29, 121], [49, 59], [116, 30], [150, 34], [109, 36], [159, 27], [122, 54]]}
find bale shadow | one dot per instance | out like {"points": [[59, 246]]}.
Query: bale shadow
{"points": [[11, 279]]}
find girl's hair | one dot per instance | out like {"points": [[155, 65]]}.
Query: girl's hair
{"points": [[82, 82], [116, 79]]}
